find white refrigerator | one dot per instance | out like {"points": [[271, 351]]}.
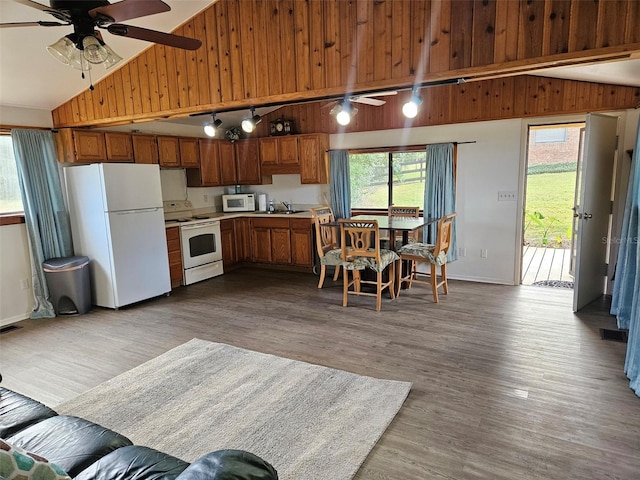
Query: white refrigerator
{"points": [[117, 220]]}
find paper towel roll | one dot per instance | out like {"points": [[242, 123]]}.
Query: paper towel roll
{"points": [[262, 202]]}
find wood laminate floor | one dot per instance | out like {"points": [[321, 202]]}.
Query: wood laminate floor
{"points": [[507, 382]]}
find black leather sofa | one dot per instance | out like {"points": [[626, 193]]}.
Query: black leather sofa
{"points": [[87, 451]]}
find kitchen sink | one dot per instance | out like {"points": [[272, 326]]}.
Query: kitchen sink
{"points": [[282, 212]]}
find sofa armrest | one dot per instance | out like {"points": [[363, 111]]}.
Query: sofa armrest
{"points": [[229, 465]]}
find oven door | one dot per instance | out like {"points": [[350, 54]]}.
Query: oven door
{"points": [[201, 244]]}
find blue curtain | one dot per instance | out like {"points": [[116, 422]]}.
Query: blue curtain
{"points": [[439, 192], [625, 302], [45, 214], [340, 183]]}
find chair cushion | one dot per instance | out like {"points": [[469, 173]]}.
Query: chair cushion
{"points": [[134, 463], [332, 257], [17, 463], [18, 412], [72, 443], [424, 250], [361, 263]]}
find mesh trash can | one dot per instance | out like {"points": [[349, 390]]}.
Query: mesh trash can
{"points": [[69, 284]]}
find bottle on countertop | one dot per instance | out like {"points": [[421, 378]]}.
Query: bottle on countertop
{"points": [[272, 207]]}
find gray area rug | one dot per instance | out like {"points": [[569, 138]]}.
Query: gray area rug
{"points": [[310, 422]]}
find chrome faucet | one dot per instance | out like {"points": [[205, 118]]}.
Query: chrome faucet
{"points": [[286, 205]]}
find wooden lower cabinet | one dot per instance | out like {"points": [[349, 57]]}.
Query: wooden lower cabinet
{"points": [[229, 243], [271, 240], [175, 256], [242, 227], [302, 252]]}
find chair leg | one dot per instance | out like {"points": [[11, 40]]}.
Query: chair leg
{"points": [[345, 286], [443, 274], [434, 282], [323, 270], [336, 274], [379, 291], [356, 280], [392, 279]]}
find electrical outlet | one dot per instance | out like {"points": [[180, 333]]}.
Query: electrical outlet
{"points": [[462, 252], [24, 284], [484, 253], [206, 198], [509, 196]]}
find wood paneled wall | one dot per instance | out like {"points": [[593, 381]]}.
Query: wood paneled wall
{"points": [[500, 98], [266, 51]]}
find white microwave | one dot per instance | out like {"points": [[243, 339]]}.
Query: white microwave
{"points": [[239, 202]]}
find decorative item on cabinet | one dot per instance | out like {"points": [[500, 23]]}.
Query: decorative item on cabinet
{"points": [[281, 126]]}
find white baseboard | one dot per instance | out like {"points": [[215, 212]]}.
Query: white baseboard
{"points": [[479, 279], [16, 318]]}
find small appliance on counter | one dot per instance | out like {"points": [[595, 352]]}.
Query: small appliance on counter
{"points": [[239, 202]]}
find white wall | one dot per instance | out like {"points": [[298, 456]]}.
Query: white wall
{"points": [[489, 165], [25, 117]]}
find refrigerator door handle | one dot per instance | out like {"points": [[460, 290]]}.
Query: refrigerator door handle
{"points": [[140, 210]]}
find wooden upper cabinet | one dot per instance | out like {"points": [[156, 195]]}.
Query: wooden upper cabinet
{"points": [[189, 154], [145, 149], [209, 173], [289, 150], [314, 166], [268, 151], [81, 146], [279, 155], [119, 147], [227, 157], [169, 151], [248, 162]]}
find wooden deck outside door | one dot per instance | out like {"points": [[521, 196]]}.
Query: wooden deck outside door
{"points": [[594, 208]]}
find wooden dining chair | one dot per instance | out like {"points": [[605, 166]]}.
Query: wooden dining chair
{"points": [[360, 243], [434, 254], [326, 242], [400, 211]]}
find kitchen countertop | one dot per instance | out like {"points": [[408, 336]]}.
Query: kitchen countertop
{"points": [[230, 215]]}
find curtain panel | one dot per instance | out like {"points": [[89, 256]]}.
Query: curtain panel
{"points": [[440, 192], [340, 183], [625, 301], [45, 214]]}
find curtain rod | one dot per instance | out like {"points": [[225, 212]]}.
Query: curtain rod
{"points": [[398, 146]]}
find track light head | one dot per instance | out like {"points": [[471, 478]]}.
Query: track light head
{"points": [[410, 109], [211, 128], [249, 123]]}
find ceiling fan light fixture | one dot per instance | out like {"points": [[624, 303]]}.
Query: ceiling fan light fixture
{"points": [[93, 51], [211, 128], [410, 109], [344, 113], [112, 57], [249, 123], [62, 50]]}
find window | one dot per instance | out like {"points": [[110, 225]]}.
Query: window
{"points": [[380, 179], [550, 135], [10, 199]]}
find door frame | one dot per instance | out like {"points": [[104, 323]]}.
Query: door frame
{"points": [[621, 180]]}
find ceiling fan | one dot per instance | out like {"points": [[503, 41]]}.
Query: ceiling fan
{"points": [[344, 111], [85, 44]]}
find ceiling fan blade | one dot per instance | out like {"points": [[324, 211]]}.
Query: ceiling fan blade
{"points": [[39, 6], [128, 9], [368, 101], [154, 36], [380, 94], [33, 24]]}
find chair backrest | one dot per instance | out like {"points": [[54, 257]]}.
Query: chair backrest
{"points": [[359, 239], [397, 211], [325, 236], [443, 239]]}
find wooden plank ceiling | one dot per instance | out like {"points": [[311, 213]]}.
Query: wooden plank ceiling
{"points": [[258, 52]]}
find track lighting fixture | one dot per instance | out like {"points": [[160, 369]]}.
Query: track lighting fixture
{"points": [[344, 112], [410, 109], [250, 122], [211, 128]]}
